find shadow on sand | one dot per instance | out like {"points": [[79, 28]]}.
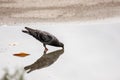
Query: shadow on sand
{"points": [[45, 60]]}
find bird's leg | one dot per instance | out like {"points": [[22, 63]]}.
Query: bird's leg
{"points": [[45, 48]]}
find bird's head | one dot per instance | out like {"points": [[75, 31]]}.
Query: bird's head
{"points": [[61, 45]]}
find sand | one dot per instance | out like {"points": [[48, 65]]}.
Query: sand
{"points": [[14, 11]]}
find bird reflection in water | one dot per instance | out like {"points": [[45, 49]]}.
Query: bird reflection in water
{"points": [[45, 60]]}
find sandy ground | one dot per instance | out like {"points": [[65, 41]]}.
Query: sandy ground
{"points": [[13, 11]]}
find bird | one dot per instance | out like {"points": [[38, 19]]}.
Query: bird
{"points": [[45, 60], [44, 37]]}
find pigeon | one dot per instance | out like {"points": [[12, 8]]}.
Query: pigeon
{"points": [[44, 37], [45, 60]]}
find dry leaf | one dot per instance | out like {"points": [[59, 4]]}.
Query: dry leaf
{"points": [[21, 54]]}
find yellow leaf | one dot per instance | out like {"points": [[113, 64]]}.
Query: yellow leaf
{"points": [[21, 54]]}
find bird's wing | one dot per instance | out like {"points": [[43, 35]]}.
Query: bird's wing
{"points": [[46, 37]]}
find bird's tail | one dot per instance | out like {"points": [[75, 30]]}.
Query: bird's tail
{"points": [[27, 67], [28, 30]]}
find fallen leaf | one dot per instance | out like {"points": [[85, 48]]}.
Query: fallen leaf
{"points": [[21, 54]]}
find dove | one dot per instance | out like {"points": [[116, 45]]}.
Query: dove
{"points": [[44, 61], [44, 37]]}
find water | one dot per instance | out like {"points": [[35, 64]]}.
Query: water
{"points": [[91, 50]]}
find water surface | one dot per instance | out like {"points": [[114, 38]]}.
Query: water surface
{"points": [[91, 50]]}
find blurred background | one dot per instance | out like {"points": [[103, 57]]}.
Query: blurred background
{"points": [[14, 11], [17, 75]]}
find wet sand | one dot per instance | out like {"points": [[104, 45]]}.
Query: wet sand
{"points": [[14, 11]]}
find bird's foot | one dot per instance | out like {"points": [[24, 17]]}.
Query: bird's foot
{"points": [[45, 50]]}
